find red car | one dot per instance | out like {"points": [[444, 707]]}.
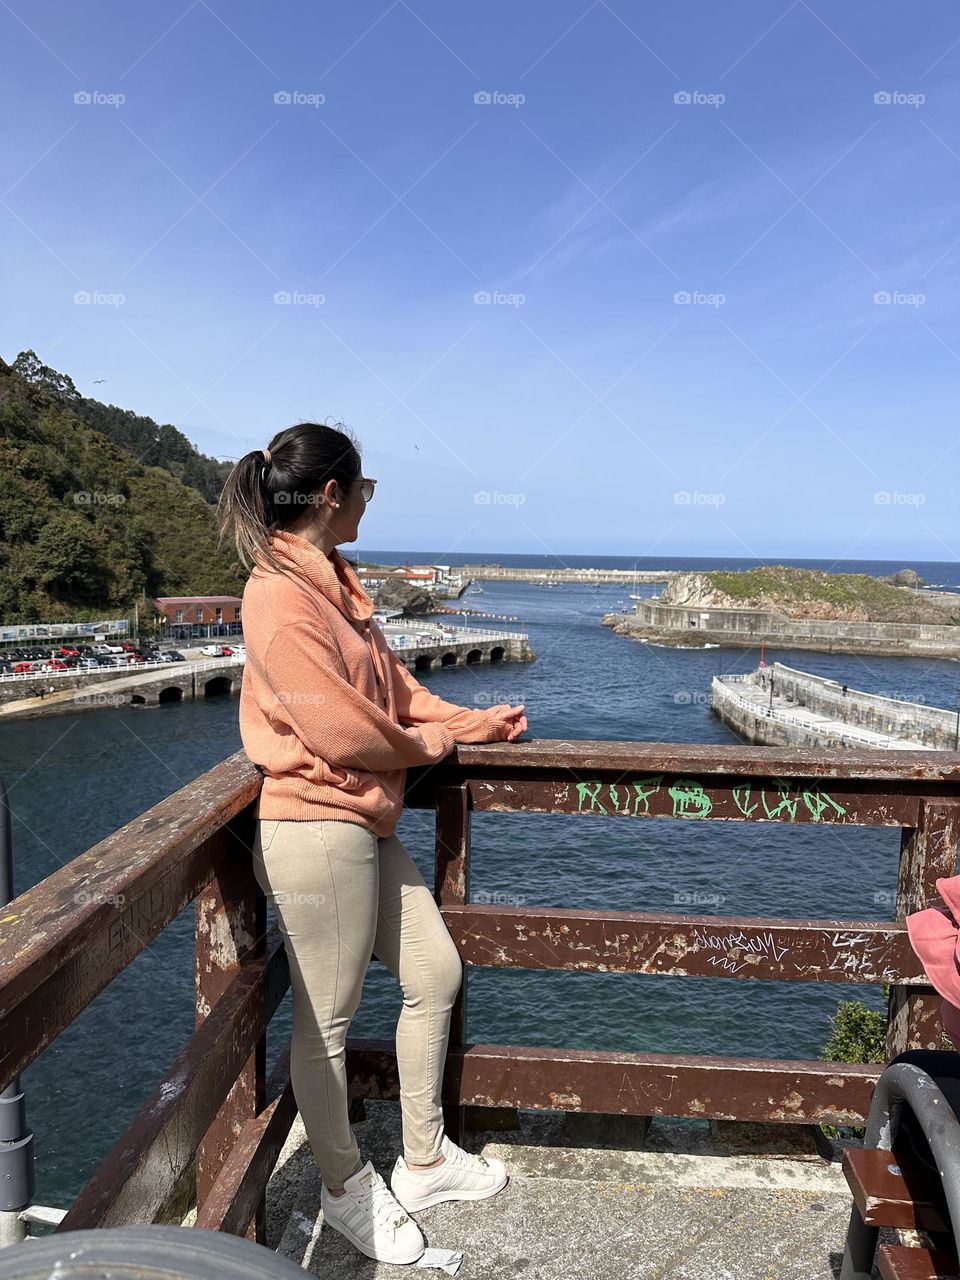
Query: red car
{"points": [[226, 651], [67, 652], [54, 664], [22, 668]]}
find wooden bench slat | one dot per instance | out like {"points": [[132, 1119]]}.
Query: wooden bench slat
{"points": [[889, 1190], [899, 1262]]}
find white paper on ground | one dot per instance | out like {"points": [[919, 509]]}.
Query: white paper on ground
{"points": [[448, 1259]]}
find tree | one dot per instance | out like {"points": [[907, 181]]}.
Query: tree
{"points": [[30, 367]]}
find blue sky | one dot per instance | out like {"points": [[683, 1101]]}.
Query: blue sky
{"points": [[577, 315]]}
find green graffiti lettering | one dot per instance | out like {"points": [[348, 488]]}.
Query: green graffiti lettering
{"points": [[818, 801], [644, 790], [689, 799], [786, 802], [591, 791], [741, 798]]}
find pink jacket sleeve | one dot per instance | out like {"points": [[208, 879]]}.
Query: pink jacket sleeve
{"points": [[418, 706], [314, 698]]}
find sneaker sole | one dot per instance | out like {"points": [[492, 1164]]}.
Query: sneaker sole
{"points": [[365, 1248], [439, 1197]]}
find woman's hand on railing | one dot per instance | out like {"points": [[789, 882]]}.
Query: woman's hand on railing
{"points": [[509, 722]]}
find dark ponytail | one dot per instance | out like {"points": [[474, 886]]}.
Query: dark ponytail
{"points": [[260, 496]]}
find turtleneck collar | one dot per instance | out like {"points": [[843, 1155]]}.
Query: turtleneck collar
{"points": [[332, 575]]}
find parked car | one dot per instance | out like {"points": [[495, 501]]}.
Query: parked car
{"points": [[90, 664], [107, 648], [54, 664], [172, 655], [212, 650], [239, 650], [22, 668], [67, 651]]}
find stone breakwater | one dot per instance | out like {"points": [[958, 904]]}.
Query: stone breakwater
{"points": [[692, 626]]}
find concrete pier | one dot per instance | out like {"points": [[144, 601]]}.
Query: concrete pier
{"points": [[592, 1195], [623, 577], [778, 705]]}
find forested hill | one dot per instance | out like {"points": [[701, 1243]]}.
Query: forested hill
{"points": [[98, 505], [148, 441]]}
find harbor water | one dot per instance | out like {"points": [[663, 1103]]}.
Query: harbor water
{"points": [[74, 780]]}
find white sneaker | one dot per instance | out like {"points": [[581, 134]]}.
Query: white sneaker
{"points": [[369, 1216], [460, 1176]]}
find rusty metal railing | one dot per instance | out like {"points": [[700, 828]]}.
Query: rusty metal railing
{"points": [[64, 940]]}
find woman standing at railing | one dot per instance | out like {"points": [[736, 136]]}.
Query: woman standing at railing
{"points": [[332, 718]]}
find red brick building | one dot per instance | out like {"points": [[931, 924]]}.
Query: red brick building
{"points": [[198, 617]]}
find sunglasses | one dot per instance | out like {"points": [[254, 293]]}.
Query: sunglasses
{"points": [[366, 488]]}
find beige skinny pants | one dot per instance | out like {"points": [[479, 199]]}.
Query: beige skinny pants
{"points": [[342, 895]]}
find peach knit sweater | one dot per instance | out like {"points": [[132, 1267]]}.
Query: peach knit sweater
{"points": [[328, 712]]}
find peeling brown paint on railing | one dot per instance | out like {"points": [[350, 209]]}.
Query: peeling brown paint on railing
{"points": [[65, 939]]}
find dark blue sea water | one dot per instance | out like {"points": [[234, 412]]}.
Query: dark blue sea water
{"points": [[73, 780]]}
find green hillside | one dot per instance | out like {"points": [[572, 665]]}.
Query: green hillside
{"points": [[802, 593], [149, 442], [86, 525]]}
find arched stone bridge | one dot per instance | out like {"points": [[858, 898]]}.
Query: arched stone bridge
{"points": [[175, 683], [477, 648]]}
